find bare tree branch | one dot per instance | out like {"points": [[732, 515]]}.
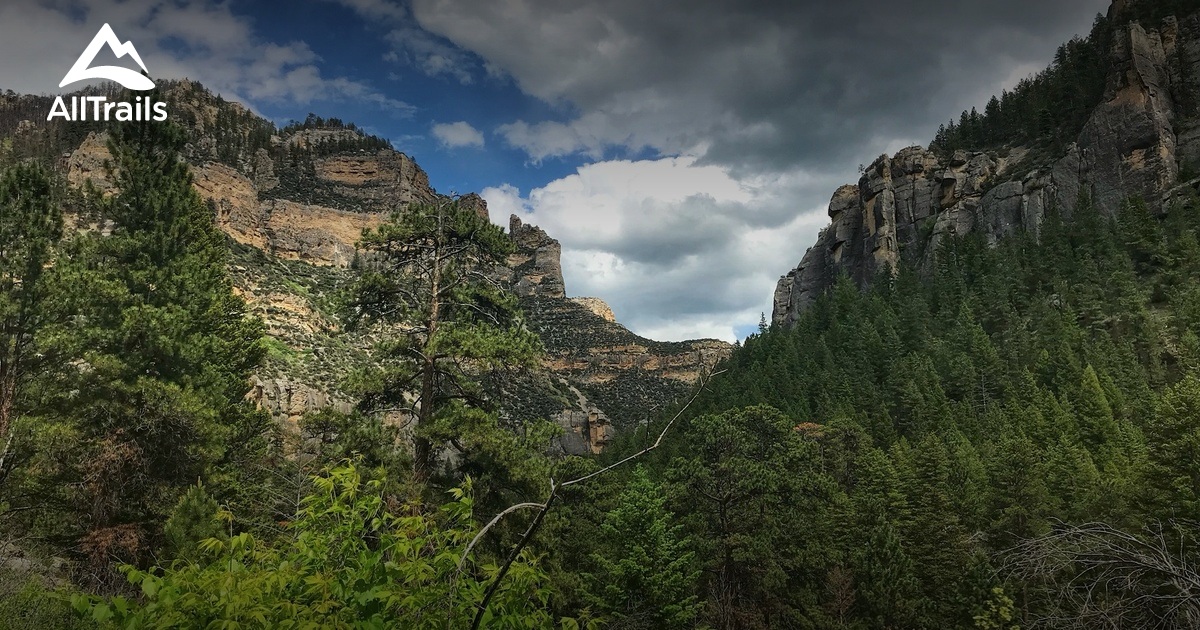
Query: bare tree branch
{"points": [[544, 508], [1100, 576], [474, 541]]}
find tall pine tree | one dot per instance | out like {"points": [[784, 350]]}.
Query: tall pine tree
{"points": [[428, 276], [30, 225], [165, 349]]}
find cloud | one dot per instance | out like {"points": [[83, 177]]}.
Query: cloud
{"points": [[768, 84], [412, 45], [458, 134], [774, 102], [201, 40], [380, 10], [679, 249]]}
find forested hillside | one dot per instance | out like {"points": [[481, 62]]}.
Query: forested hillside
{"points": [[999, 431], [1010, 440]]}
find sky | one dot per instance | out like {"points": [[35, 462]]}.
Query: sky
{"points": [[683, 151]]}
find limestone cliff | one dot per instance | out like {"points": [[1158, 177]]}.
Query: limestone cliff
{"points": [[1132, 145], [628, 376], [294, 201]]}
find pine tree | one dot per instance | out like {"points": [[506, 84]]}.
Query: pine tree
{"points": [[886, 584], [428, 276], [1020, 501], [194, 520], [1073, 480], [167, 345], [887, 587], [1173, 440], [647, 571], [936, 536], [754, 482], [1098, 429], [30, 225]]}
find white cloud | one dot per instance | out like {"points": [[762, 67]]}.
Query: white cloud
{"points": [[780, 100], [680, 250], [458, 134], [503, 201], [202, 40]]}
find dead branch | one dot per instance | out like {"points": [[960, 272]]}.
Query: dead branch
{"points": [[1101, 576], [544, 508]]}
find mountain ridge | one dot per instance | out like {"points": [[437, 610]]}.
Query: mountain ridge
{"points": [[294, 201], [1134, 143]]}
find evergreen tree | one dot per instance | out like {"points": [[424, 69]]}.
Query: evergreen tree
{"points": [[30, 226], [1073, 480], [888, 591], [1020, 500], [1173, 436], [167, 345], [1097, 427], [194, 520], [647, 571], [428, 276], [754, 482], [937, 537]]}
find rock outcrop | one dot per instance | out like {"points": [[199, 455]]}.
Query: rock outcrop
{"points": [[597, 306], [297, 207], [317, 234], [536, 265], [904, 206], [288, 401], [628, 376]]}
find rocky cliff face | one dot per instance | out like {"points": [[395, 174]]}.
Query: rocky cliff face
{"points": [[294, 204], [1133, 145], [607, 366]]}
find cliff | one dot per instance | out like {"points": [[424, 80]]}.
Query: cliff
{"points": [[294, 201], [628, 376], [1134, 143]]}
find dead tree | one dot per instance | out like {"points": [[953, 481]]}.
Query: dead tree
{"points": [[1097, 576]]}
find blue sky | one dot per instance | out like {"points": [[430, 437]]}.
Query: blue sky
{"points": [[683, 153], [351, 46]]}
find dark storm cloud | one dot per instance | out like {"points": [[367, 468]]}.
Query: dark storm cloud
{"points": [[761, 84], [782, 97]]}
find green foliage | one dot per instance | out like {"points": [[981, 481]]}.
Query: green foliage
{"points": [[453, 330], [195, 519], [1049, 108], [645, 571], [1173, 446], [887, 587], [351, 561], [999, 614], [164, 349], [752, 481], [878, 465], [27, 604], [334, 436], [31, 224], [947, 419]]}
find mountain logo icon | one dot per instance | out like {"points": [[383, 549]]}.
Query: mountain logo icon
{"points": [[126, 77]]}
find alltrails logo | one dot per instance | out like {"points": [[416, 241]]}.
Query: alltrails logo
{"points": [[98, 106]]}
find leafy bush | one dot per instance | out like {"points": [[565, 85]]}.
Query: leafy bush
{"points": [[353, 560]]}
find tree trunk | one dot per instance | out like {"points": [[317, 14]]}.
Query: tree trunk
{"points": [[422, 449], [8, 395]]}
